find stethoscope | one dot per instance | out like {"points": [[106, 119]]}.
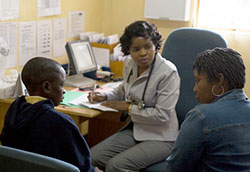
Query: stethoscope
{"points": [[141, 105]]}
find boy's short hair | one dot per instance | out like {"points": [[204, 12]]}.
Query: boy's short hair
{"points": [[37, 70]]}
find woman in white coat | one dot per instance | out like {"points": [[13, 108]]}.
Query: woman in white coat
{"points": [[148, 94]]}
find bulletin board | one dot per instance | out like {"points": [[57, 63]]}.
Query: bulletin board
{"points": [[167, 9]]}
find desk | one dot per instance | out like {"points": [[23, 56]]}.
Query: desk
{"points": [[101, 124]]}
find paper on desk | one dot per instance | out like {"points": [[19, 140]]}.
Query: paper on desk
{"points": [[69, 96], [83, 100]]}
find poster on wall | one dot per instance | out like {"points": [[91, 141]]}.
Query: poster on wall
{"points": [[48, 7], [27, 41], [76, 24], [8, 31], [9, 9], [44, 38], [59, 36]]}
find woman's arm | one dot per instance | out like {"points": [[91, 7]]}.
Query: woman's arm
{"points": [[189, 145]]}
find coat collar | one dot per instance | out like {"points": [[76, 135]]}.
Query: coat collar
{"points": [[232, 94]]}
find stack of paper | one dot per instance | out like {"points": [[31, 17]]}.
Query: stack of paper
{"points": [[83, 100]]}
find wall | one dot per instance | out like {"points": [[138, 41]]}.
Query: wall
{"points": [[93, 16], [123, 12], [240, 42], [111, 16]]}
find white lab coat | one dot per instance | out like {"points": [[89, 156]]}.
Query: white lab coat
{"points": [[158, 121]]}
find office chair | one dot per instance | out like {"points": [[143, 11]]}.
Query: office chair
{"points": [[13, 160], [181, 48]]}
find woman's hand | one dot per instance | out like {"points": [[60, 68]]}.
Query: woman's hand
{"points": [[97, 169], [95, 97], [118, 105]]}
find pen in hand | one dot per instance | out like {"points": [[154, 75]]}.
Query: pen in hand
{"points": [[93, 92]]}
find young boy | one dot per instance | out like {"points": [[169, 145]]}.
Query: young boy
{"points": [[32, 123]]}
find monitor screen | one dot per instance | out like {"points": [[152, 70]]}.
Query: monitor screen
{"points": [[81, 57]]}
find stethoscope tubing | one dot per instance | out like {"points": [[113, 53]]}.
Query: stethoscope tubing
{"points": [[146, 85]]}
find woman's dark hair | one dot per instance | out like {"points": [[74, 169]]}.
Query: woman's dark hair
{"points": [[222, 61], [140, 29]]}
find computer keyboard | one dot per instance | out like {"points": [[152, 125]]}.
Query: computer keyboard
{"points": [[78, 81]]}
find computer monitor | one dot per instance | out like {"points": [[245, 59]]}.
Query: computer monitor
{"points": [[81, 57], [81, 63]]}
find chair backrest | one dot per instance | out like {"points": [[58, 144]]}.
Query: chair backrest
{"points": [[13, 160], [181, 48]]}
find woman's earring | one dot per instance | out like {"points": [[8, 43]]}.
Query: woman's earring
{"points": [[217, 95]]}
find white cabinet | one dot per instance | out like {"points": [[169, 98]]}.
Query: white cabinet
{"points": [[167, 9]]}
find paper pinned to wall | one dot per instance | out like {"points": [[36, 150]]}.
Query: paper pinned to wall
{"points": [[27, 42], [4, 48], [4, 51], [102, 56], [9, 33], [2, 67], [9, 9], [48, 7], [76, 23], [44, 38], [59, 36]]}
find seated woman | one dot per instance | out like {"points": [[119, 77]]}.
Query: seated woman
{"points": [[215, 134], [149, 94]]}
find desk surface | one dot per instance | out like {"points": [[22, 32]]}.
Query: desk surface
{"points": [[99, 128], [75, 111]]}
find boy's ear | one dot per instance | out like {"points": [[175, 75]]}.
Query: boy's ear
{"points": [[46, 85]]}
